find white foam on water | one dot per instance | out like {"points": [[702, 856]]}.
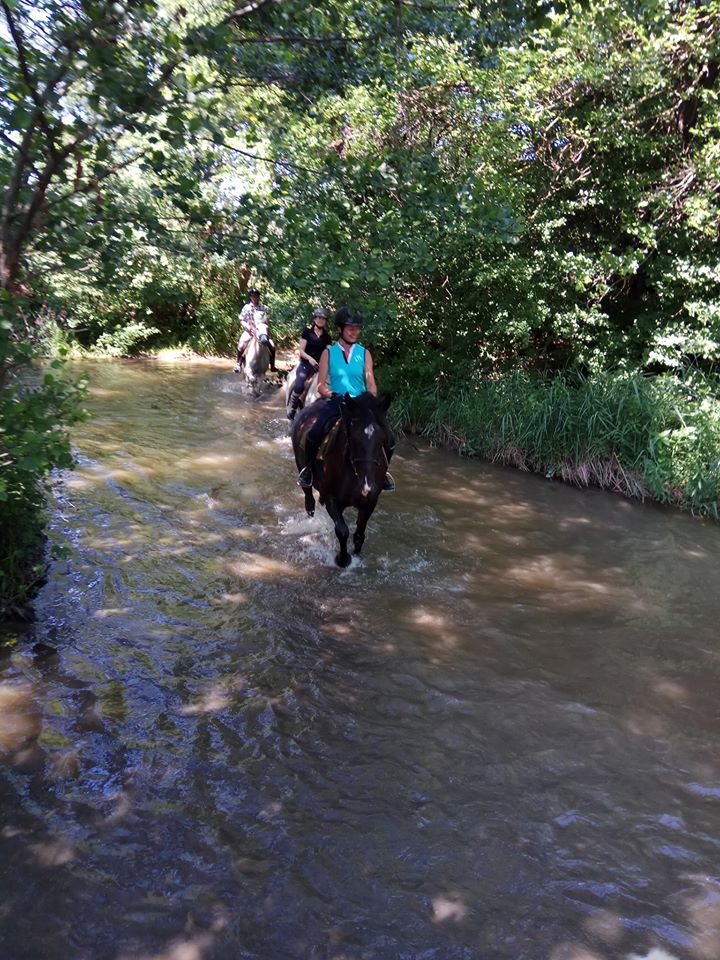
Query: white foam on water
{"points": [[317, 549], [300, 525], [657, 953], [230, 386], [356, 564], [404, 565]]}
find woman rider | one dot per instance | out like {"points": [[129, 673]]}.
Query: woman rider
{"points": [[345, 367], [313, 341]]}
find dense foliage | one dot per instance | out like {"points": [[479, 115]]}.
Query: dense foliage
{"points": [[522, 197], [33, 405]]}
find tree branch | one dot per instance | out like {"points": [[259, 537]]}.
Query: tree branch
{"points": [[298, 38], [27, 77], [270, 160], [95, 181], [241, 12]]}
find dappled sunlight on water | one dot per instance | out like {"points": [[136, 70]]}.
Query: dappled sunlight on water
{"points": [[493, 736], [20, 722]]}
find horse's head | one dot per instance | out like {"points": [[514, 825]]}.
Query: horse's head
{"points": [[366, 440]]}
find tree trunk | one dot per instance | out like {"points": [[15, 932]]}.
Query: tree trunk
{"points": [[9, 265]]}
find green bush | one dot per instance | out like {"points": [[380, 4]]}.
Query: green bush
{"points": [[36, 407]]}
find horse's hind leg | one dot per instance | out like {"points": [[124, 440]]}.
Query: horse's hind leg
{"points": [[342, 559]]}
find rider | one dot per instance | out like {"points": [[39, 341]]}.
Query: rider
{"points": [[345, 367], [313, 341], [247, 319]]}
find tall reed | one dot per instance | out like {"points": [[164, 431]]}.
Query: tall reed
{"points": [[655, 437]]}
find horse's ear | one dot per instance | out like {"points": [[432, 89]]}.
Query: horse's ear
{"points": [[384, 400]]}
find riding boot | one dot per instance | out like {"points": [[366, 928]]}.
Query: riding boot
{"points": [[239, 362], [293, 406], [305, 477], [273, 368]]}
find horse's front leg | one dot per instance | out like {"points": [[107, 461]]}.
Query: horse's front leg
{"points": [[342, 559], [364, 514]]}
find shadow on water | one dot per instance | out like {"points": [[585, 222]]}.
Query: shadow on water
{"points": [[491, 737]]}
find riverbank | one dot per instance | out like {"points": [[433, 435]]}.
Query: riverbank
{"points": [[652, 438]]}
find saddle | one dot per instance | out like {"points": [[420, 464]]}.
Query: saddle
{"points": [[327, 442]]}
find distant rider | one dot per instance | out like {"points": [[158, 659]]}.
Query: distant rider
{"points": [[250, 313], [345, 367], [313, 341]]}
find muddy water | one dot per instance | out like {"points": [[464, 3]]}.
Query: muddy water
{"points": [[495, 736]]}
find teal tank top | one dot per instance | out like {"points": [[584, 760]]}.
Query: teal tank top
{"points": [[347, 376]]}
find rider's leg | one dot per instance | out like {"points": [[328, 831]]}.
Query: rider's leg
{"points": [[271, 348], [242, 344], [329, 411], [389, 447], [389, 482], [301, 376]]}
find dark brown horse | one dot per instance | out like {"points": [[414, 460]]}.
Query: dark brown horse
{"points": [[350, 470]]}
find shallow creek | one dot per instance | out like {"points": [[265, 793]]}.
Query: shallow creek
{"points": [[494, 737]]}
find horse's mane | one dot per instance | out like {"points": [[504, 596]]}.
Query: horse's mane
{"points": [[366, 403]]}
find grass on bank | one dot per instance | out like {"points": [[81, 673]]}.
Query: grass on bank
{"points": [[644, 437]]}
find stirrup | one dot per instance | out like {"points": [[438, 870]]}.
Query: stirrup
{"points": [[236, 368], [389, 484], [305, 477]]}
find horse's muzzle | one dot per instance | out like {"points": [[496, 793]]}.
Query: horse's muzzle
{"points": [[264, 339], [367, 487]]}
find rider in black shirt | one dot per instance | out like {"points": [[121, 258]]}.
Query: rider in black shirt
{"points": [[313, 342]]}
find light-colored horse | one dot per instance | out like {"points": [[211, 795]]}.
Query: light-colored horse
{"points": [[309, 394], [256, 359]]}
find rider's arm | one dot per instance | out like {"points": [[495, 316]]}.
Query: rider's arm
{"points": [[246, 318], [306, 356], [370, 384], [324, 375]]}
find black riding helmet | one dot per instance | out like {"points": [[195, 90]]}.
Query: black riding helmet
{"points": [[253, 291], [344, 316]]}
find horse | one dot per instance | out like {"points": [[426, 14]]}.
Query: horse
{"points": [[351, 465], [309, 394], [256, 358]]}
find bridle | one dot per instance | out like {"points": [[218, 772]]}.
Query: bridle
{"points": [[354, 460], [375, 461]]}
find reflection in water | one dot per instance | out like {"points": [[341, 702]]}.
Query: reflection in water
{"points": [[492, 737]]}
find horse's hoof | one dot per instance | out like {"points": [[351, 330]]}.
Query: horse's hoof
{"points": [[311, 513], [343, 561]]}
